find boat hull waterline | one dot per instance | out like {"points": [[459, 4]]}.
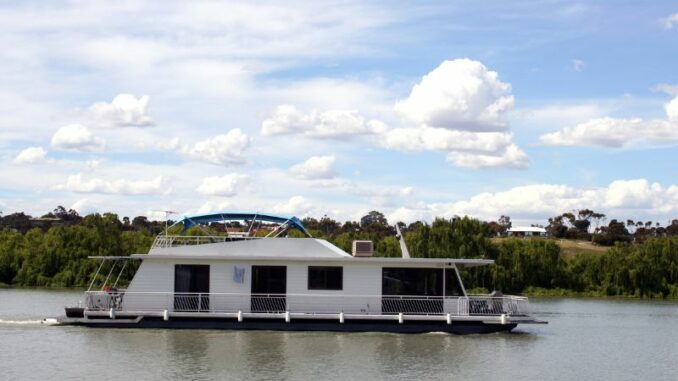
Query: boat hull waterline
{"points": [[357, 325]]}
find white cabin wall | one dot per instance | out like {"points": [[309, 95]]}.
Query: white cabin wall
{"points": [[361, 291], [151, 287], [231, 296], [360, 294]]}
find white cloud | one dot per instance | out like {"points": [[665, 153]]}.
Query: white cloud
{"points": [[212, 206], [31, 155], [84, 207], [76, 183], [617, 133], [671, 109], [632, 194], [286, 119], [578, 65], [537, 202], [76, 137], [227, 185], [460, 110], [667, 88], [406, 191], [459, 95], [417, 212], [125, 110], [169, 145], [296, 206], [463, 148], [607, 132], [224, 149], [670, 21], [557, 115], [510, 157], [439, 139], [315, 167]]}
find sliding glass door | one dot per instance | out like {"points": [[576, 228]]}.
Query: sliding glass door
{"points": [[191, 288], [269, 286], [412, 290]]}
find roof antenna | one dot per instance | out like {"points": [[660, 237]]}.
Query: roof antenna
{"points": [[167, 213], [401, 239]]}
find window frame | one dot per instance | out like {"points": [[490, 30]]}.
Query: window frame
{"points": [[325, 283]]}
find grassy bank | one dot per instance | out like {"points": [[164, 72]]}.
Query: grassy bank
{"points": [[568, 247]]}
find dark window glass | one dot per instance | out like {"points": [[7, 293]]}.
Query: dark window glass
{"points": [[189, 281], [412, 290], [269, 279], [408, 281], [452, 286], [269, 285], [325, 278]]}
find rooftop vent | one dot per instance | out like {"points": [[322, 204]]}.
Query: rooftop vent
{"points": [[363, 248]]}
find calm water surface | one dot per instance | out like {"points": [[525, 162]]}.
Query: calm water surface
{"points": [[584, 340]]}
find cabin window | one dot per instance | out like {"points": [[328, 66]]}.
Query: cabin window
{"points": [[452, 285], [325, 278], [412, 281], [269, 279], [411, 290], [191, 288]]}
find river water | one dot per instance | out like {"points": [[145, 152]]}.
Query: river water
{"points": [[584, 340]]}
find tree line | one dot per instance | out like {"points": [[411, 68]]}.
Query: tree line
{"points": [[52, 251]]}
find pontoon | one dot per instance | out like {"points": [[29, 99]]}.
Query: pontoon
{"points": [[259, 278]]}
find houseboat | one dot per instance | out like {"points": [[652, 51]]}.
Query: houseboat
{"points": [[260, 278]]}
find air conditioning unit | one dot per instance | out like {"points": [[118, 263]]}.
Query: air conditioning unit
{"points": [[363, 248]]}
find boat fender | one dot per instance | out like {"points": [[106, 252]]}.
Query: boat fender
{"points": [[503, 318], [341, 317], [287, 316], [239, 316], [165, 315], [111, 313], [400, 318], [449, 319]]}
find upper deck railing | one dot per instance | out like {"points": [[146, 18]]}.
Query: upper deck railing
{"points": [[316, 304], [184, 240]]}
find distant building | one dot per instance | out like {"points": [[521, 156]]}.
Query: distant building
{"points": [[526, 231]]}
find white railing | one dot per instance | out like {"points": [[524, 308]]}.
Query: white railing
{"points": [[473, 305], [495, 305], [184, 240]]}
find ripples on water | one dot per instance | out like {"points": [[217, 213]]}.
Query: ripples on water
{"points": [[586, 339]]}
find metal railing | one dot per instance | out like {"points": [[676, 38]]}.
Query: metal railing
{"points": [[184, 240], [489, 305], [472, 305]]}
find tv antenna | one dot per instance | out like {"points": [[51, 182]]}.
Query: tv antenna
{"points": [[167, 213]]}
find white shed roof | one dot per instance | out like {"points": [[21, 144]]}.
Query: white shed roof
{"points": [[527, 229]]}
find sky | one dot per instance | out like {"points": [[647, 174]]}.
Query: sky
{"points": [[416, 109]]}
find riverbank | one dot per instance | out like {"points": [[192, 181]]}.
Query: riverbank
{"points": [[536, 292]]}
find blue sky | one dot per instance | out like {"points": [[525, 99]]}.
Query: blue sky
{"points": [[446, 108]]}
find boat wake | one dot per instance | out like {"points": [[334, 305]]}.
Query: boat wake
{"points": [[21, 322]]}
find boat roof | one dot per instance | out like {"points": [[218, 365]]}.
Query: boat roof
{"points": [[196, 219], [286, 249], [263, 247]]}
